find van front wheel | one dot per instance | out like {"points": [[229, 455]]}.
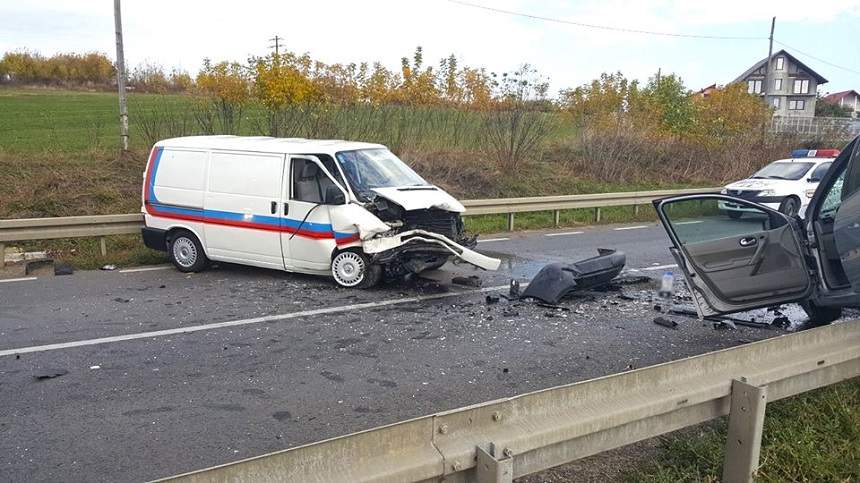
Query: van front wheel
{"points": [[351, 268], [186, 252]]}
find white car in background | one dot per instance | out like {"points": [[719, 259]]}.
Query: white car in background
{"points": [[786, 185]]}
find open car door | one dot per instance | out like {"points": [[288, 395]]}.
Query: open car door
{"points": [[846, 226], [735, 262]]}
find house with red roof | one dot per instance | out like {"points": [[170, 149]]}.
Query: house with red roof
{"points": [[849, 99]]}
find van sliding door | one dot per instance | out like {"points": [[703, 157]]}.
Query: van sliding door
{"points": [[241, 208]]}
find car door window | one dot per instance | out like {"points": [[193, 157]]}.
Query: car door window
{"points": [[819, 172], [736, 255], [310, 183]]}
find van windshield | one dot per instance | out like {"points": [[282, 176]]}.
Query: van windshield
{"points": [[781, 170], [366, 169]]}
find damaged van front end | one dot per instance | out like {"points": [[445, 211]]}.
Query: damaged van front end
{"points": [[411, 229]]}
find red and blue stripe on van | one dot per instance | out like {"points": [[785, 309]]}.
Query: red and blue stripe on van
{"points": [[319, 231]]}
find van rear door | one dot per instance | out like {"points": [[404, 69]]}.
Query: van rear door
{"points": [[241, 208]]}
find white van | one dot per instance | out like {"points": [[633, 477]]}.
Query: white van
{"points": [[347, 209]]}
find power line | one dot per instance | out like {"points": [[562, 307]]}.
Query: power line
{"points": [[602, 27], [831, 64]]}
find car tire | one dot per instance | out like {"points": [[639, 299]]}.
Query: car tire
{"points": [[790, 206], [352, 269], [735, 214], [186, 252], [820, 315]]}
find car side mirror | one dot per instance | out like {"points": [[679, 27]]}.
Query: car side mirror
{"points": [[813, 180], [334, 196]]}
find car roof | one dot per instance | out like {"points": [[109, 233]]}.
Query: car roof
{"points": [[264, 144]]}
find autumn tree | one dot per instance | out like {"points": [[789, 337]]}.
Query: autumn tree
{"points": [[227, 86]]}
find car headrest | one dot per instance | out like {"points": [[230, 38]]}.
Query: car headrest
{"points": [[310, 170]]}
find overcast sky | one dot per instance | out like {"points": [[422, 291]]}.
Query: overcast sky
{"points": [[181, 33]]}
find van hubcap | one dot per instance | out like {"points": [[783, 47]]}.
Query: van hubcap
{"points": [[184, 252], [348, 269]]}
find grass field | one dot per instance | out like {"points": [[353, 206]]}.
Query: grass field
{"points": [[812, 437]]}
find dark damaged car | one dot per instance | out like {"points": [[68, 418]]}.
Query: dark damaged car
{"points": [[767, 258]]}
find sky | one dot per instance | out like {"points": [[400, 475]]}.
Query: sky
{"points": [[181, 34]]}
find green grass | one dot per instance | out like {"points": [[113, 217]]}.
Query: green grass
{"points": [[85, 253], [811, 437], [34, 120]]}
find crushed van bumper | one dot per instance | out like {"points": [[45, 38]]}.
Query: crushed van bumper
{"points": [[382, 244]]}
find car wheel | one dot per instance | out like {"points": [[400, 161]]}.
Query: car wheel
{"points": [[351, 268], [735, 214], [790, 206], [186, 252], [820, 315]]}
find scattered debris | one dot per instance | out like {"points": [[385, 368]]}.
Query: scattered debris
{"points": [[470, 281], [122, 300], [553, 306], [556, 280], [94, 368], [108, 267], [49, 374], [63, 269], [492, 299], [632, 280], [666, 322], [514, 290]]}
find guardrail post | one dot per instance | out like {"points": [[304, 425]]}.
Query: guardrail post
{"points": [[743, 443], [493, 469], [635, 210], [103, 246], [510, 222], [2, 255], [597, 215], [557, 217]]}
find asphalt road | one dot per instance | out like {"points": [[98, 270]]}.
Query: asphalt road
{"points": [[159, 372]]}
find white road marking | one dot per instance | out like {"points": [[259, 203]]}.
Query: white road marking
{"points": [[23, 279], [146, 269], [688, 222], [660, 267], [565, 233], [488, 240], [630, 227], [235, 323]]}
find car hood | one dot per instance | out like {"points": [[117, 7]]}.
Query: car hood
{"points": [[421, 198], [778, 185]]}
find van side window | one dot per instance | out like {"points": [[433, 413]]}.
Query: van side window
{"points": [[309, 181], [328, 162]]}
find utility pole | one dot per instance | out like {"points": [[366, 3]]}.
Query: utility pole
{"points": [[767, 76], [769, 59], [277, 46], [120, 76]]}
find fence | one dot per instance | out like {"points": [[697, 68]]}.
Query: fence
{"points": [[839, 127], [104, 225], [507, 438]]}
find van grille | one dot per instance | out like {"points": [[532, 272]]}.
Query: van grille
{"points": [[443, 222]]}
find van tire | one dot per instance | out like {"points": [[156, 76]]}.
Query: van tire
{"points": [[186, 252], [352, 269]]}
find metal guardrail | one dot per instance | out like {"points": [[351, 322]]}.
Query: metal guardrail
{"points": [[26, 229], [508, 438]]}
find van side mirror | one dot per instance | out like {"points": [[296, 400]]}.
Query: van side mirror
{"points": [[334, 196]]}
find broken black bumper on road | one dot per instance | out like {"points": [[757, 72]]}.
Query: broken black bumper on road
{"points": [[557, 280]]}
